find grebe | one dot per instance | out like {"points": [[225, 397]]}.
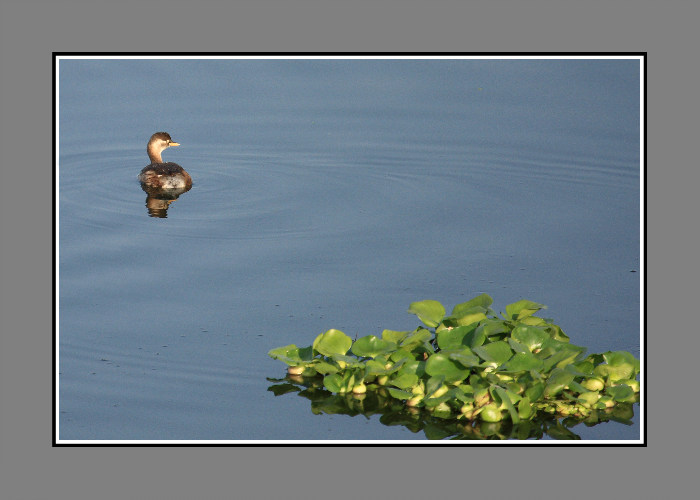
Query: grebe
{"points": [[159, 175]]}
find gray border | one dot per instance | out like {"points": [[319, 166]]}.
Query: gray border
{"points": [[30, 468]]}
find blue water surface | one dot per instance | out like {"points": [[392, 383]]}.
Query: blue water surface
{"points": [[327, 194]]}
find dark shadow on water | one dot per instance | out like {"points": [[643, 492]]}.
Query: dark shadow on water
{"points": [[437, 426]]}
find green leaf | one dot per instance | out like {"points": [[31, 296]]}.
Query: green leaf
{"points": [[475, 315], [572, 368], [419, 336], [483, 300], [292, 355], [404, 380], [576, 387], [517, 346], [558, 333], [398, 394], [505, 399], [531, 336], [621, 393], [346, 361], [525, 408], [615, 372], [621, 365], [333, 382], [491, 413], [371, 347], [477, 338], [614, 358], [487, 329], [433, 384], [532, 321], [535, 391], [524, 361], [394, 336], [588, 398], [339, 383], [431, 402], [566, 354], [401, 354], [464, 357], [408, 375], [522, 309], [585, 367], [595, 359], [557, 381], [332, 342], [430, 312], [496, 352], [325, 368], [464, 393], [415, 367], [551, 346], [375, 367], [453, 338], [441, 365]]}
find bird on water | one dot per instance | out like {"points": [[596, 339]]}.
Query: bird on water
{"points": [[160, 175]]}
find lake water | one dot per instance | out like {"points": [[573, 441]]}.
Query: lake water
{"points": [[327, 194]]}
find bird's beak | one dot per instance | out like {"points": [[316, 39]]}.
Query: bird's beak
{"points": [[173, 144]]}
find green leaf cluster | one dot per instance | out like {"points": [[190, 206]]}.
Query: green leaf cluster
{"points": [[472, 365]]}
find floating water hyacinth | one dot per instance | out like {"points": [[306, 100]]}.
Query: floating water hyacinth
{"points": [[472, 365]]}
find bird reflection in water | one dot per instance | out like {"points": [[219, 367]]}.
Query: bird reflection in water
{"points": [[158, 200]]}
